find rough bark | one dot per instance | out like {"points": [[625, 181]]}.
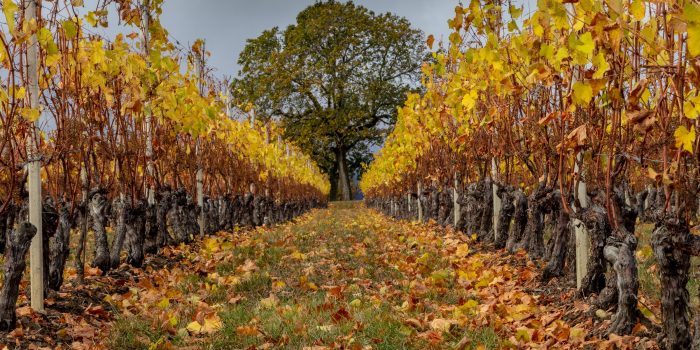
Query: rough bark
{"points": [[98, 206], [17, 245], [163, 207], [344, 191], [49, 217], [445, 206], [485, 232], [505, 216], [247, 210], [135, 232], [59, 249], [625, 266], [515, 235], [596, 220], [177, 217], [120, 209], [80, 252], [640, 199], [150, 245], [434, 212], [673, 264], [538, 204], [562, 233]]}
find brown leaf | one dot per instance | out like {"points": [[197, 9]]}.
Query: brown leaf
{"points": [[341, 315], [247, 331], [642, 121]]}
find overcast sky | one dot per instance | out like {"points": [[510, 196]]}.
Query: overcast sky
{"points": [[226, 24]]}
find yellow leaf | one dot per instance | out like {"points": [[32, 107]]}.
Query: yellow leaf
{"points": [[277, 285], [691, 107], [603, 65], [691, 13], [30, 114], [583, 93], [462, 250], [637, 9], [577, 334], [212, 324], [9, 8], [70, 28], [685, 138], [164, 303], [469, 100], [586, 44], [440, 324], [194, 327]]}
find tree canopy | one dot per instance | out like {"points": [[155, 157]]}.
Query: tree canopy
{"points": [[334, 79]]}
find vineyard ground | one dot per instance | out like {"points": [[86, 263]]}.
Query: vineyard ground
{"points": [[339, 276]]}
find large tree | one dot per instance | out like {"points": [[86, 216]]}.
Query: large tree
{"points": [[334, 79]]}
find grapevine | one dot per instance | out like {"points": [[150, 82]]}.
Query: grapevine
{"points": [[581, 113]]}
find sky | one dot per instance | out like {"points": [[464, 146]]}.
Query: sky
{"points": [[226, 24]]}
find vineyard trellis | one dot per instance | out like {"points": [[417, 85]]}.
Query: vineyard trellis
{"points": [[581, 116], [127, 132]]}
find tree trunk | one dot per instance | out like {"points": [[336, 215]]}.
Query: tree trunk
{"points": [[49, 226], [344, 191], [150, 245], [98, 204], [533, 239], [18, 240], [162, 207], [60, 249], [625, 266], [485, 231], [519, 222], [673, 264], [505, 216], [84, 218], [596, 220], [562, 234], [135, 230], [119, 232]]}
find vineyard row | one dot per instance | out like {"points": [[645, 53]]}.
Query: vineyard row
{"points": [[131, 136], [578, 119]]}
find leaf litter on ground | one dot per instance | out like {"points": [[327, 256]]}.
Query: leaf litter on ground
{"points": [[339, 278]]}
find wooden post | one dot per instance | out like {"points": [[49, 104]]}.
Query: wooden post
{"points": [[419, 203], [148, 120], [199, 65], [455, 201], [582, 241], [36, 250], [496, 199], [200, 199]]}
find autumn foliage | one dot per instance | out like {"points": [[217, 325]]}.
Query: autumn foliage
{"points": [[601, 93]]}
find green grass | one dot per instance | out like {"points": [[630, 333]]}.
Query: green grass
{"points": [[285, 299], [134, 333]]}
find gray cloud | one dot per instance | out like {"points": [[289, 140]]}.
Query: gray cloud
{"points": [[226, 24]]}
